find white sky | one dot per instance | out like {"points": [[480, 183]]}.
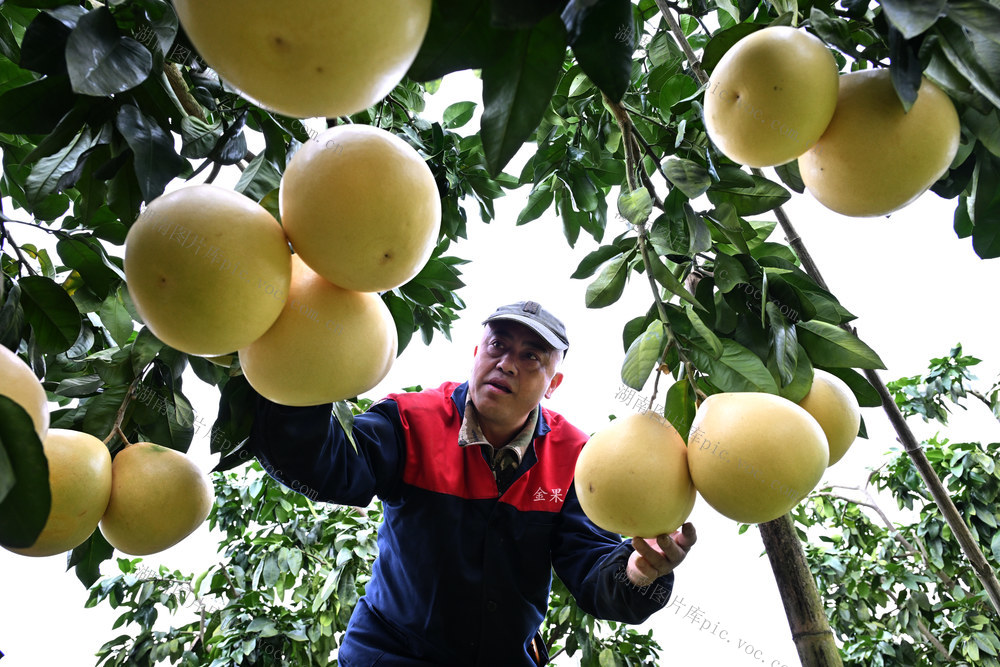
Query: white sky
{"points": [[915, 287]]}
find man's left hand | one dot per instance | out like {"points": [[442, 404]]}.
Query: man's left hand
{"points": [[654, 558]]}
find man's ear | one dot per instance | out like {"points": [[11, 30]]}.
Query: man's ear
{"points": [[553, 383]]}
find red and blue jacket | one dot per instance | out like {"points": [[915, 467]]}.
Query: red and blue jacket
{"points": [[464, 571]]}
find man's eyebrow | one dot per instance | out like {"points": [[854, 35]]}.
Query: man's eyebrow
{"points": [[505, 333]]}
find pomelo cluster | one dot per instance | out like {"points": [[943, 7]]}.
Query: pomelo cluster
{"points": [[751, 456], [777, 96], [148, 499], [211, 272]]}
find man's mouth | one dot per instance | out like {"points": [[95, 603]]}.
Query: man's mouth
{"points": [[502, 386]]}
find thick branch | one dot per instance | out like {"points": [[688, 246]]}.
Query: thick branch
{"points": [[675, 28], [188, 103]]}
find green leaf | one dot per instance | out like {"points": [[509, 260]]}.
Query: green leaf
{"points": [[761, 197], [25, 506], [635, 206], [738, 369], [801, 382], [40, 4], [724, 40], [609, 285], [866, 394], [517, 87], [86, 385], [959, 51], [156, 163], [87, 558], [589, 264], [344, 416], [729, 273], [402, 316], [460, 36], [677, 88], [585, 193], [69, 126], [47, 175], [663, 276], [102, 411], [830, 346], [43, 47], [706, 334], [681, 406], [458, 114], [89, 258], [103, 62], [689, 177], [642, 355], [784, 343], [199, 138], [979, 16], [984, 207], [9, 48], [832, 29], [36, 107], [730, 225], [51, 312], [601, 35], [701, 236], [260, 177], [538, 202], [514, 14], [116, 319], [7, 476], [995, 546], [790, 176], [913, 17], [906, 70]]}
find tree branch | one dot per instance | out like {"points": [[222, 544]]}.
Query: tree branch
{"points": [[675, 28], [21, 259], [187, 101]]}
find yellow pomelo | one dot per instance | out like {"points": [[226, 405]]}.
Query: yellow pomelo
{"points": [[754, 456], [632, 477], [832, 403], [18, 383], [80, 482], [771, 96], [361, 208], [308, 58], [873, 158], [207, 268], [328, 344], [158, 497]]}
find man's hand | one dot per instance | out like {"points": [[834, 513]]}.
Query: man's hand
{"points": [[654, 558]]}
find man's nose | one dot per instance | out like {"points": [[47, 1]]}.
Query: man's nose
{"points": [[505, 364]]}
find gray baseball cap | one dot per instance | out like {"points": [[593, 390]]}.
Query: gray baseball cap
{"points": [[532, 315]]}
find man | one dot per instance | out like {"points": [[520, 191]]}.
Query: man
{"points": [[476, 481]]}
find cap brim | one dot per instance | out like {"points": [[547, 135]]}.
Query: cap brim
{"points": [[535, 326]]}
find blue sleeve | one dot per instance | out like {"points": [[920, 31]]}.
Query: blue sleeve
{"points": [[591, 562], [307, 450]]}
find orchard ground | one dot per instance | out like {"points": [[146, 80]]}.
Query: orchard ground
{"points": [[725, 608]]}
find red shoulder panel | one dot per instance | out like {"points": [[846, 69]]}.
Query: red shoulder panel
{"points": [[543, 488], [434, 460]]}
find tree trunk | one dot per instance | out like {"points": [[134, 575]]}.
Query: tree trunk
{"points": [[811, 632]]}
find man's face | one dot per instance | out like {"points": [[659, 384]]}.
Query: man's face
{"points": [[514, 368]]}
